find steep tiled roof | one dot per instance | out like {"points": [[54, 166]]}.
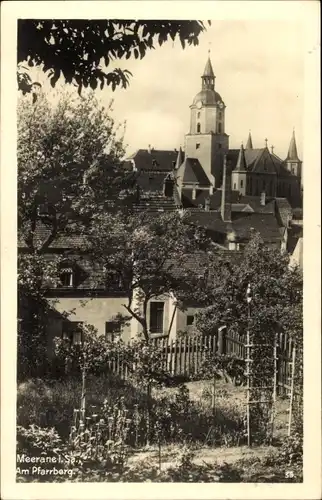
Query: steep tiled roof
{"points": [[156, 159], [191, 172], [61, 242], [151, 181], [155, 202], [265, 224], [242, 223], [283, 211], [215, 198]]}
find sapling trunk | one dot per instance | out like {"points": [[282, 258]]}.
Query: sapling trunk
{"points": [[213, 397]]}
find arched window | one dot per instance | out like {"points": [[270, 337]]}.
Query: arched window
{"points": [[198, 128], [219, 115], [219, 128], [198, 114]]}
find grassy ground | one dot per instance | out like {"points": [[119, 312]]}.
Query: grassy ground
{"points": [[201, 391]]}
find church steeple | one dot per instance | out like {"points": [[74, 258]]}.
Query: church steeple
{"points": [[241, 162], [292, 150], [208, 77], [249, 144]]}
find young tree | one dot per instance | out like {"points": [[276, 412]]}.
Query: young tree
{"points": [[148, 255], [64, 150], [277, 294], [77, 49]]}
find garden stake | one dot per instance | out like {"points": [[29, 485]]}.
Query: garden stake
{"points": [[248, 298], [213, 399], [159, 454], [274, 386], [291, 392]]}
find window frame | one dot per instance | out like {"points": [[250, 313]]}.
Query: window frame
{"points": [[156, 330], [69, 271], [189, 316], [69, 333]]}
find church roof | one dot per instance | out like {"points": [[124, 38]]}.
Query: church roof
{"points": [[191, 172], [258, 160], [208, 69], [292, 150], [155, 159], [207, 97]]}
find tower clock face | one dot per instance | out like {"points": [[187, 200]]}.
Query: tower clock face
{"points": [[199, 104]]}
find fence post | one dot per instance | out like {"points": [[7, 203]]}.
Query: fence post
{"points": [[222, 339]]}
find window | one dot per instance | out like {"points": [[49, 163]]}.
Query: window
{"points": [[156, 317], [219, 115], [219, 128], [198, 114], [67, 277], [190, 320], [112, 330], [293, 170], [198, 128], [198, 145], [219, 146], [72, 331], [235, 186], [264, 184], [241, 183]]}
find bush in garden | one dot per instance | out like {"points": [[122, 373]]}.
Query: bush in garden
{"points": [[51, 403]]}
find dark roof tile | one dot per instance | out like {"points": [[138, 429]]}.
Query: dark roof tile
{"points": [[157, 160]]}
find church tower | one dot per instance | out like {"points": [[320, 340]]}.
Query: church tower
{"points": [[292, 162], [207, 141]]}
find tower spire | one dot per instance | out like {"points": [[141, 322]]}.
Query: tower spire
{"points": [[249, 144], [208, 77], [292, 150], [241, 162]]}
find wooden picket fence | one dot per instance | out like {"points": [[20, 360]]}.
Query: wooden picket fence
{"points": [[184, 356]]}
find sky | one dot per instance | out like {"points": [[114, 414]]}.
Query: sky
{"points": [[259, 68]]}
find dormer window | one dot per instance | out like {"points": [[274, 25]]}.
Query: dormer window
{"points": [[67, 277]]}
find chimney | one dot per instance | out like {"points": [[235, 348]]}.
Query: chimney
{"points": [[207, 204], [263, 199], [226, 193]]}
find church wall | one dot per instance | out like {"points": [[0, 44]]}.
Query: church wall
{"points": [[238, 182], [201, 152]]}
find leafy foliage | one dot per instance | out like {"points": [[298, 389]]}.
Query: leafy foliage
{"points": [[147, 253], [65, 150], [78, 50], [277, 294]]}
